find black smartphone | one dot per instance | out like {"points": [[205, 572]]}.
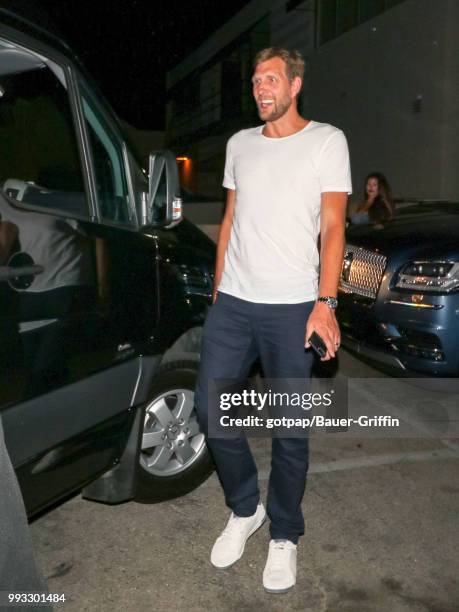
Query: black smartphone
{"points": [[318, 344]]}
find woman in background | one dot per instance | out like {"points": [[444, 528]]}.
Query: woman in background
{"points": [[378, 205]]}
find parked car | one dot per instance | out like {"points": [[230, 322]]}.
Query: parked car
{"points": [[399, 291], [103, 292]]}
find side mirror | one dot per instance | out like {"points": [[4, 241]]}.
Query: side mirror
{"points": [[162, 205]]}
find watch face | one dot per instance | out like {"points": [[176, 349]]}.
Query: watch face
{"points": [[330, 301]]}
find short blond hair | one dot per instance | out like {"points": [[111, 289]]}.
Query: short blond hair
{"points": [[294, 62]]}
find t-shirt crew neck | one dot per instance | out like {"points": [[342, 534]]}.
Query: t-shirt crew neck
{"points": [[272, 255], [280, 138]]}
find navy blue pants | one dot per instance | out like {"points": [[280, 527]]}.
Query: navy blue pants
{"points": [[235, 334]]}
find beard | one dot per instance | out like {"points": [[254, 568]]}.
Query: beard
{"points": [[277, 110]]}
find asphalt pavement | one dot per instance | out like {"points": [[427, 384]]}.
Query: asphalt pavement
{"points": [[381, 534]]}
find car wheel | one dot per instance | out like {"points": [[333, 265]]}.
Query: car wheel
{"points": [[174, 458]]}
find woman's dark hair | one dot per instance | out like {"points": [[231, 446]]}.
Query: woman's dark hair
{"points": [[383, 206]]}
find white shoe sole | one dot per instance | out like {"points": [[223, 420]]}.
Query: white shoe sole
{"points": [[254, 528], [279, 590]]}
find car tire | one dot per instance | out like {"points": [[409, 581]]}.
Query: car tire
{"points": [[174, 458]]}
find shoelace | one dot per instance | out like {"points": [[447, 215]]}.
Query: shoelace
{"points": [[234, 527], [277, 555]]}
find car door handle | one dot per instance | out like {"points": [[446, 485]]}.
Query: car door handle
{"points": [[10, 272]]}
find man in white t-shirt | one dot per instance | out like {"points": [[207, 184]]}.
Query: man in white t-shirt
{"points": [[287, 181]]}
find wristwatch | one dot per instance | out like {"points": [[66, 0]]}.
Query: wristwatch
{"points": [[331, 302]]}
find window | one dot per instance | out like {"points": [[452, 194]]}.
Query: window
{"points": [[347, 15], [338, 16], [231, 87], [327, 20], [292, 4], [370, 8], [112, 192], [210, 96], [39, 158]]}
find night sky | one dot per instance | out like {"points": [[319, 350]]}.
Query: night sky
{"points": [[128, 46]]}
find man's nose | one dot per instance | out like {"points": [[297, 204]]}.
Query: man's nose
{"points": [[261, 88]]}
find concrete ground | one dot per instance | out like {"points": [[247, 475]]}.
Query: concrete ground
{"points": [[381, 536]]}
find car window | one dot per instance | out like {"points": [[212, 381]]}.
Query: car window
{"points": [[110, 175], [39, 158]]}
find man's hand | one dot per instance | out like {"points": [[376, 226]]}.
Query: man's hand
{"points": [[323, 321]]}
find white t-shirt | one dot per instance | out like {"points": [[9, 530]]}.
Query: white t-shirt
{"points": [[272, 255]]}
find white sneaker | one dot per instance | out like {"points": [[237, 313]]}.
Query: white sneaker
{"points": [[280, 570], [229, 546]]}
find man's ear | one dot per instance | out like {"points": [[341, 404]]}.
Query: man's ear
{"points": [[296, 85]]}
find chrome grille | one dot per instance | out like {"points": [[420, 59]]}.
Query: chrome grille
{"points": [[362, 271]]}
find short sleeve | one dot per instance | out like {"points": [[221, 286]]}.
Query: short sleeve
{"points": [[334, 166], [228, 179]]}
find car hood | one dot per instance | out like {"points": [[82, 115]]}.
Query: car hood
{"points": [[430, 233], [188, 244]]}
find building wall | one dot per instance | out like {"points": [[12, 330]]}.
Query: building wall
{"points": [[392, 85], [295, 29]]}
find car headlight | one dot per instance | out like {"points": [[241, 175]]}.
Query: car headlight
{"points": [[429, 276]]}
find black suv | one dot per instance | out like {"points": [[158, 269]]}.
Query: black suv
{"points": [[103, 292]]}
